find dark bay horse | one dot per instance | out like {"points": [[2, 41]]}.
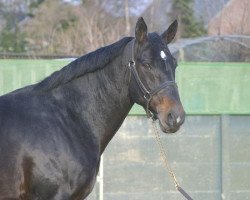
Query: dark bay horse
{"points": [[52, 134]]}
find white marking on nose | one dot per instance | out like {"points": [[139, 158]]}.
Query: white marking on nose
{"points": [[163, 55], [178, 120]]}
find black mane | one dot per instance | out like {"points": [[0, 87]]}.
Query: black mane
{"points": [[85, 64]]}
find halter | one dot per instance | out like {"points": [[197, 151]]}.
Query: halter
{"points": [[147, 93]]}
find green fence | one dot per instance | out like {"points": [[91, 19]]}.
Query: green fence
{"points": [[210, 154], [205, 88]]}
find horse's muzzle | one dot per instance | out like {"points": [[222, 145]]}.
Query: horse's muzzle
{"points": [[171, 121]]}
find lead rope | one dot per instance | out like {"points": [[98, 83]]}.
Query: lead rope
{"points": [[165, 161], [163, 153]]}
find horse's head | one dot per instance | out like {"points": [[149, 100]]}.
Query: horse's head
{"points": [[153, 76]]}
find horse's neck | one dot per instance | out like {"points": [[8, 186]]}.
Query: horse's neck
{"points": [[112, 104], [105, 100]]}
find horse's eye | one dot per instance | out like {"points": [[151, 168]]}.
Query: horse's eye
{"points": [[147, 65]]}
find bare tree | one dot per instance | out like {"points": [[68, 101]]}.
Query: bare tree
{"points": [[126, 8], [71, 30], [233, 19]]}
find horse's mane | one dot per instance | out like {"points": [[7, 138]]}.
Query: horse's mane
{"points": [[85, 64]]}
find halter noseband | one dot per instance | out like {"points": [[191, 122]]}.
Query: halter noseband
{"points": [[147, 93]]}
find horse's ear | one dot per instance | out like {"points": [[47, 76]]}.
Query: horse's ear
{"points": [[141, 30], [170, 33]]}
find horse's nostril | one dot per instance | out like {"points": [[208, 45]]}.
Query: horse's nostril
{"points": [[170, 120]]}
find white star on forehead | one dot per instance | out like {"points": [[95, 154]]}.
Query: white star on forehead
{"points": [[163, 55]]}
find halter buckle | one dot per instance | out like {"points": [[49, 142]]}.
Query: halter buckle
{"points": [[131, 64], [147, 96]]}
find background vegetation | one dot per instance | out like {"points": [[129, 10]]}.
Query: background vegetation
{"points": [[75, 27]]}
